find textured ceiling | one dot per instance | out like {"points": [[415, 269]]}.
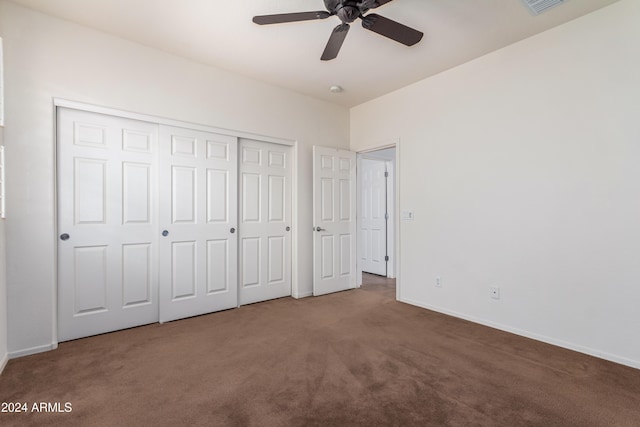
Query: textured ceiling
{"points": [[220, 33]]}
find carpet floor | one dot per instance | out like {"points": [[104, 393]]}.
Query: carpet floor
{"points": [[346, 359]]}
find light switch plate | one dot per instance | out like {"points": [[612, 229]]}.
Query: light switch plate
{"points": [[407, 215]]}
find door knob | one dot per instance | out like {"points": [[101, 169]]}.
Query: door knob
{"points": [[165, 233], [288, 228], [64, 236], [233, 230], [320, 229]]}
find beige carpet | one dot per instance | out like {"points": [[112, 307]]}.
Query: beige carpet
{"points": [[352, 358]]}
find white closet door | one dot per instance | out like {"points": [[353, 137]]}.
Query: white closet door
{"points": [[107, 223], [373, 221], [265, 230], [334, 218], [198, 214]]}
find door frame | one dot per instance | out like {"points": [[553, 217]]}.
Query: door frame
{"points": [[65, 103], [394, 239]]}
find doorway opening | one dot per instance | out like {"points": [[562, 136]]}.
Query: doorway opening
{"points": [[376, 198], [383, 286]]}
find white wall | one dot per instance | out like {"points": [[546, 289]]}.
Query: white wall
{"points": [[3, 276], [3, 300], [46, 58], [522, 169], [3, 289]]}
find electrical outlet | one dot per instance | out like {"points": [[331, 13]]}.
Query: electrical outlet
{"points": [[494, 292], [438, 282]]}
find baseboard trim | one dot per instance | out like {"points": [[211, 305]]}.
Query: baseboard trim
{"points": [[3, 362], [32, 350], [303, 295], [548, 340]]}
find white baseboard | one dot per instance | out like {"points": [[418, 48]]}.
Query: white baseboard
{"points": [[303, 295], [553, 341], [32, 350]]}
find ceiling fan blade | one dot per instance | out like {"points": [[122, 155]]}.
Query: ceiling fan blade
{"points": [[335, 42], [290, 17], [391, 29]]}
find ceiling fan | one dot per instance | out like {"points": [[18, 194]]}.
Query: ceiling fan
{"points": [[348, 11]]}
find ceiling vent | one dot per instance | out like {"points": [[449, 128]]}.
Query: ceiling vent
{"points": [[538, 6]]}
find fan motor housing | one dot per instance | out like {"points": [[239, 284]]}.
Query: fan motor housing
{"points": [[347, 10], [348, 14]]}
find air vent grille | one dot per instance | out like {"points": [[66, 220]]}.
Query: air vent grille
{"points": [[538, 6]]}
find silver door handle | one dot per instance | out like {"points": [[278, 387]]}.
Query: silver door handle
{"points": [[320, 229]]}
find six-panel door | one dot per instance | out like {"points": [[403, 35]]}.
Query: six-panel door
{"points": [[334, 213], [107, 223], [373, 221], [265, 212], [148, 222], [198, 214]]}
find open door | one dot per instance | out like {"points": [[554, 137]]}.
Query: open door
{"points": [[373, 216], [334, 219]]}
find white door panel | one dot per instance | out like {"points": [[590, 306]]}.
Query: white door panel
{"points": [[334, 207], [198, 210], [151, 212], [107, 267], [265, 231], [373, 223]]}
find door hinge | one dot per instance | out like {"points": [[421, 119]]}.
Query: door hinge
{"points": [[386, 257], [386, 216], [386, 174]]}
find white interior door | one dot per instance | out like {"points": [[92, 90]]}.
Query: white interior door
{"points": [[334, 219], [198, 214], [265, 228], [107, 223], [373, 216]]}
